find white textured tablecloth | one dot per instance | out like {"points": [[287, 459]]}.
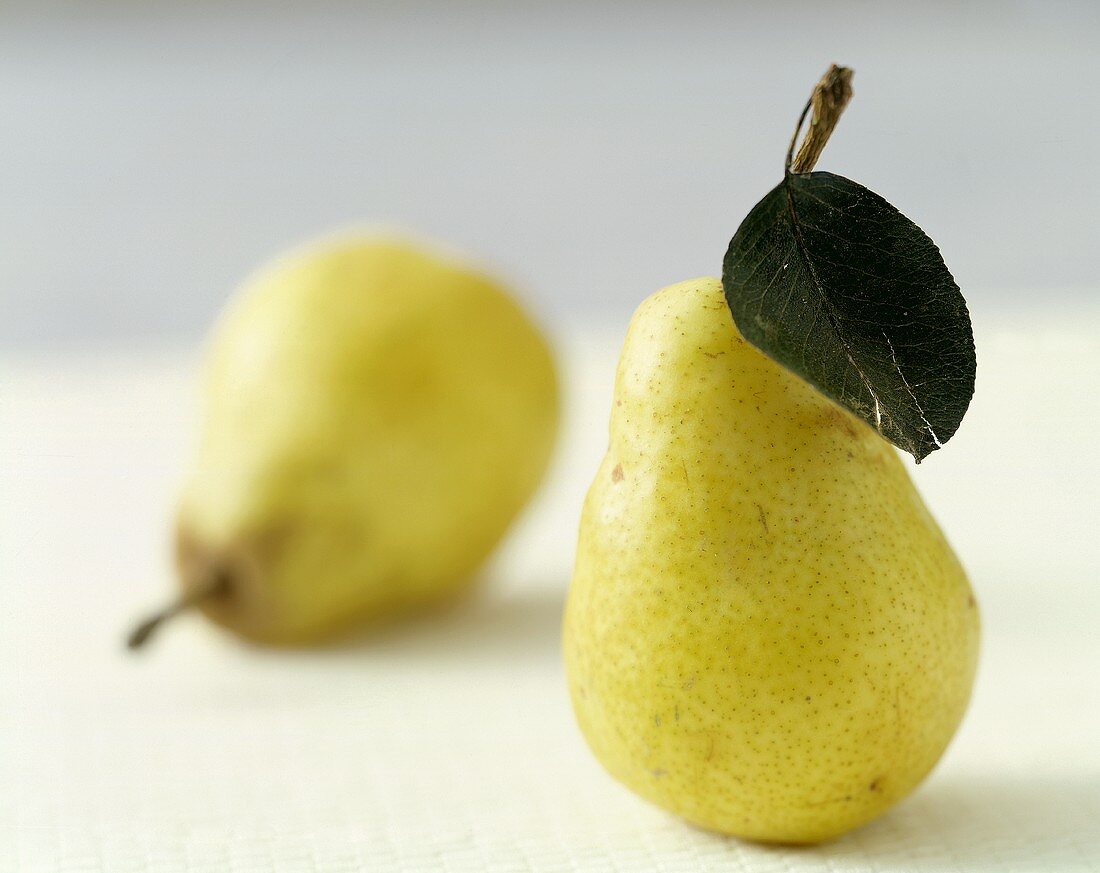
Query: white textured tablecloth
{"points": [[449, 744]]}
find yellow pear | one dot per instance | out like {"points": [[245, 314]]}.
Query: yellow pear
{"points": [[375, 416], [766, 632]]}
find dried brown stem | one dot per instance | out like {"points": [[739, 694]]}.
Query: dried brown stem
{"points": [[828, 100], [215, 586]]}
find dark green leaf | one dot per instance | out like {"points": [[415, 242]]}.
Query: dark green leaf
{"points": [[830, 280]]}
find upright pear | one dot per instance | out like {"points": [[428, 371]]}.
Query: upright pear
{"points": [[766, 631], [375, 415]]}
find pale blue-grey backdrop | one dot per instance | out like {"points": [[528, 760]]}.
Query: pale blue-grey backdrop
{"points": [[151, 154]]}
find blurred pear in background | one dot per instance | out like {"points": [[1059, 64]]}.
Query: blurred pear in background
{"points": [[375, 415]]}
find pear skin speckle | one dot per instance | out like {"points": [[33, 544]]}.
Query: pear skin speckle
{"points": [[763, 612]]}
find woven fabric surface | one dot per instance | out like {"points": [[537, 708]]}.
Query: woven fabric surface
{"points": [[448, 743]]}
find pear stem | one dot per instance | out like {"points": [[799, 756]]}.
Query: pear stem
{"points": [[828, 100], [214, 586]]}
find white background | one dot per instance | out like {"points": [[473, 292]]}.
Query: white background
{"points": [[152, 154], [449, 744]]}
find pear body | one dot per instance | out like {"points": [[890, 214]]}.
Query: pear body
{"points": [[766, 632], [375, 416]]}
